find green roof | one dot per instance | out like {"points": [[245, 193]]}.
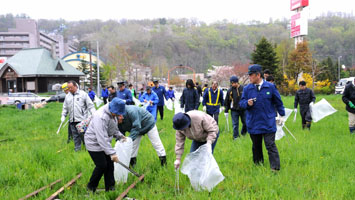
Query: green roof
{"points": [[39, 61]]}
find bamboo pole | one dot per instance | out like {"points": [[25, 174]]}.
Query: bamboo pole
{"points": [[71, 182], [40, 190]]}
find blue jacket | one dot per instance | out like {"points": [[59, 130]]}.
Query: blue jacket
{"points": [[170, 94], [161, 92], [104, 93], [125, 95], [211, 105], [261, 115], [92, 95], [137, 121], [190, 99], [155, 99]]}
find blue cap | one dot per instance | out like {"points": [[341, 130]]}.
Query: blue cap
{"points": [[181, 121], [117, 106], [254, 69], [234, 79]]}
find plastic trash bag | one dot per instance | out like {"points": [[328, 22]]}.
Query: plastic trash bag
{"points": [[320, 110], [123, 151], [136, 101], [177, 107], [202, 169], [169, 104], [98, 101], [279, 132], [145, 105]]}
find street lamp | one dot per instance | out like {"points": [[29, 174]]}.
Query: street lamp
{"points": [[339, 67]]}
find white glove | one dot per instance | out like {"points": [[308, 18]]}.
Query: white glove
{"points": [[311, 104], [62, 119], [204, 108], [114, 158], [209, 147], [226, 115], [281, 120], [177, 164], [295, 110], [124, 100]]}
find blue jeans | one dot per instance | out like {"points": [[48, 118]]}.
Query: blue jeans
{"points": [[195, 145], [235, 121]]}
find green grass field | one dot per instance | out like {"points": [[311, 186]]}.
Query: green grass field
{"points": [[319, 165]]}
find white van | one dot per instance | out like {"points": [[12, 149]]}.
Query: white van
{"points": [[339, 88], [24, 97]]}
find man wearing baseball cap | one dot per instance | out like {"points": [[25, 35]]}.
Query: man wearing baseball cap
{"points": [[261, 100], [196, 125], [124, 94]]}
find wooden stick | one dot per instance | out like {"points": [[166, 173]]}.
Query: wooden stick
{"points": [[54, 195], [40, 190], [129, 188]]}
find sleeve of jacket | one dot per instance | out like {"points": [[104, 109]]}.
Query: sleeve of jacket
{"points": [[276, 98], [197, 99], [164, 94], [211, 127], [296, 100], [65, 107], [345, 97], [136, 124], [142, 97], [243, 103], [227, 101], [221, 100], [155, 99], [180, 143], [182, 99], [89, 104], [102, 136], [129, 100], [313, 97], [204, 98]]}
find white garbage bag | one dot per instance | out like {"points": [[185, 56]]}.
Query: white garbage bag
{"points": [[177, 107], [279, 132], [169, 104], [320, 110], [202, 169], [98, 101], [123, 151], [145, 105], [136, 101]]}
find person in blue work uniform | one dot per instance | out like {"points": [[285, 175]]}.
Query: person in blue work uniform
{"points": [[104, 94], [124, 93], [212, 99], [170, 94], [189, 98], [91, 94], [152, 100], [161, 92], [261, 101]]}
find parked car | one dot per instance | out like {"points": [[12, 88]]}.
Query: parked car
{"points": [[340, 87], [59, 97], [24, 97]]}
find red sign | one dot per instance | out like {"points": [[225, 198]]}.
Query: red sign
{"points": [[299, 24], [298, 4]]}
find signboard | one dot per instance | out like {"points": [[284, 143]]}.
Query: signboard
{"points": [[299, 23], [298, 4], [30, 85]]}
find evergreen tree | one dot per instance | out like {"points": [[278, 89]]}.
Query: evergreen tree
{"points": [[265, 55]]}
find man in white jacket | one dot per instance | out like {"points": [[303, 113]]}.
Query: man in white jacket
{"points": [[100, 132], [77, 104]]}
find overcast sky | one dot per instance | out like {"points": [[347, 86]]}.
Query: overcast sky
{"points": [[238, 11]]}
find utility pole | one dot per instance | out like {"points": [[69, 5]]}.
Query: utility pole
{"points": [[98, 67], [91, 83], [339, 67]]}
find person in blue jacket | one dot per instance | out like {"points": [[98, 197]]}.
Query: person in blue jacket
{"points": [[212, 99], [124, 94], [190, 98], [261, 101], [170, 94], [161, 92], [152, 100], [91, 94], [104, 94]]}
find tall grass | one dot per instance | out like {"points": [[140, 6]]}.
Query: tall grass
{"points": [[319, 165]]}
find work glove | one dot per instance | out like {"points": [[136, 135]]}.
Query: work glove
{"points": [[295, 110], [62, 119], [209, 147], [281, 120], [124, 100], [351, 104], [226, 115], [177, 164], [123, 139], [204, 108], [311, 104], [114, 158]]}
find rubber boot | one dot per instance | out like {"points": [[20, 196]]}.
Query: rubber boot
{"points": [[309, 125], [133, 162], [352, 130], [162, 160], [303, 126]]}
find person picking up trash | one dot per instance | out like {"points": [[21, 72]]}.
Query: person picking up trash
{"points": [[304, 96], [152, 99], [139, 122], [100, 132], [349, 100], [196, 125]]}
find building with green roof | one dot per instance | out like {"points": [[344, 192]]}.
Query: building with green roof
{"points": [[35, 70]]}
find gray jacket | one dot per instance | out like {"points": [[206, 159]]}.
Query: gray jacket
{"points": [[77, 105], [102, 128]]}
